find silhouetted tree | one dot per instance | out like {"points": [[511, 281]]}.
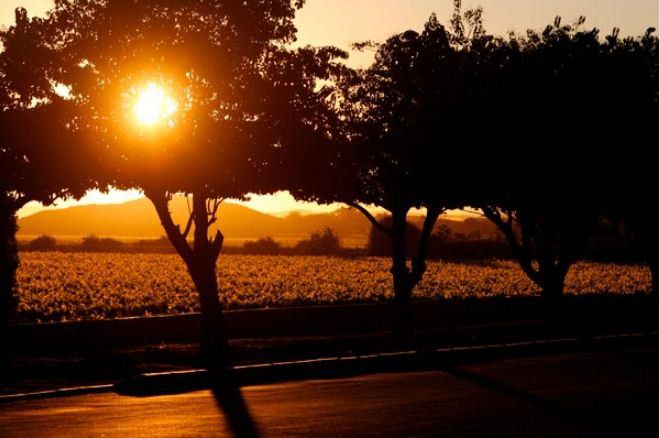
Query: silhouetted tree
{"points": [[550, 177], [633, 196], [401, 133], [379, 243], [242, 99], [36, 151]]}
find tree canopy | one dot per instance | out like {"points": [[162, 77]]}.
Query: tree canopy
{"points": [[568, 105], [240, 100]]}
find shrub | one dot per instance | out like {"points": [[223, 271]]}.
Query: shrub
{"points": [[43, 243], [100, 244], [324, 242], [160, 245], [263, 245]]}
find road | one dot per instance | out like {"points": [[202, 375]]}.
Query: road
{"points": [[596, 393]]}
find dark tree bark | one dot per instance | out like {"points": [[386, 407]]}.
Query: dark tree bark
{"points": [[200, 260], [401, 278], [655, 275], [405, 278], [8, 266], [543, 250], [644, 225], [552, 291], [647, 227]]}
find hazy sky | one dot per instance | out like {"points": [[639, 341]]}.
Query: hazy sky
{"points": [[341, 22]]}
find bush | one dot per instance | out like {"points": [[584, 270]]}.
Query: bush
{"points": [[43, 243], [100, 244], [324, 242], [160, 245], [262, 246]]}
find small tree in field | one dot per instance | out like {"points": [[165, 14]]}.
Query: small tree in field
{"points": [[231, 99], [37, 153]]}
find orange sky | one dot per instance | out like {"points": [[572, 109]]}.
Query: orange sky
{"points": [[340, 22]]}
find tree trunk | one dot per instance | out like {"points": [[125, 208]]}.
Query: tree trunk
{"points": [[200, 260], [655, 278], [552, 293], [403, 318], [213, 343], [652, 257], [652, 262], [402, 325], [8, 267]]}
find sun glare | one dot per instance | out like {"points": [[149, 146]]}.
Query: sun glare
{"points": [[153, 105]]}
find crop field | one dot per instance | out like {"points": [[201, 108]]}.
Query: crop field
{"points": [[69, 286]]}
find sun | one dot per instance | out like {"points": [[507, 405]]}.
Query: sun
{"points": [[153, 105]]}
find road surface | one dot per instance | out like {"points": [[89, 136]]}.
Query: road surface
{"points": [[594, 393]]}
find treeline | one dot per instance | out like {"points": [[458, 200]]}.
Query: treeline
{"points": [[609, 245], [323, 243], [617, 247]]}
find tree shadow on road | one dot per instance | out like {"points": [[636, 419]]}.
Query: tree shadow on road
{"points": [[580, 418], [222, 382], [227, 393]]}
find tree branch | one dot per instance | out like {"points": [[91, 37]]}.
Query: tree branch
{"points": [[188, 226], [370, 217], [419, 262], [214, 210], [216, 245], [178, 240], [200, 215], [519, 253]]}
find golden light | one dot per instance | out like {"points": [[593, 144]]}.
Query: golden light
{"points": [[153, 105]]}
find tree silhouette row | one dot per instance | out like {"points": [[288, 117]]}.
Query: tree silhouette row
{"points": [[547, 133]]}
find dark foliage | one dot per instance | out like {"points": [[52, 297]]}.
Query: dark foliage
{"points": [[324, 242], [244, 100], [40, 160], [8, 267], [263, 246], [379, 243], [43, 243], [552, 178], [93, 243], [402, 143]]}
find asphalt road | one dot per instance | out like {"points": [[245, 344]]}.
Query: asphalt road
{"points": [[598, 393]]}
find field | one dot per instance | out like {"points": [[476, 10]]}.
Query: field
{"points": [[69, 286]]}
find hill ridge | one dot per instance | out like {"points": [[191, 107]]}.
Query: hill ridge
{"points": [[137, 219]]}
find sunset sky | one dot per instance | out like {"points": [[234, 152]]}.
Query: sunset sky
{"points": [[340, 22]]}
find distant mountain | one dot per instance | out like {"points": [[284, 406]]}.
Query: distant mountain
{"points": [[138, 219]]}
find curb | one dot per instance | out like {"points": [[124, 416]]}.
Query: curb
{"points": [[325, 320], [60, 392]]}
